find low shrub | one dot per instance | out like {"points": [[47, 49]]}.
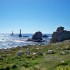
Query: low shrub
{"points": [[26, 64], [62, 63], [14, 66], [7, 68]]}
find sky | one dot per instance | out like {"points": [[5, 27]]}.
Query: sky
{"points": [[34, 15]]}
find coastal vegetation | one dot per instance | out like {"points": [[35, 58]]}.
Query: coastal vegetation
{"points": [[33, 44], [54, 56]]}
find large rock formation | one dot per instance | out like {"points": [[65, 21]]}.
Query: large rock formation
{"points": [[60, 35], [37, 37]]}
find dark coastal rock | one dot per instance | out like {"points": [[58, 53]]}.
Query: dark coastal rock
{"points": [[44, 36], [60, 35], [25, 36], [37, 37], [29, 40]]}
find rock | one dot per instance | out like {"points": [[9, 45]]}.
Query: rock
{"points": [[25, 36], [50, 52], [60, 35], [37, 48], [63, 63], [7, 51], [1, 58], [60, 29], [44, 36], [39, 53], [29, 40], [34, 53], [27, 52], [67, 48], [63, 53], [37, 37], [19, 53]]}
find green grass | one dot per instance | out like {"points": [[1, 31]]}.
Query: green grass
{"points": [[9, 60]]}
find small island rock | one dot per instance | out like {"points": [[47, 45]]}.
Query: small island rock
{"points": [[37, 37]]}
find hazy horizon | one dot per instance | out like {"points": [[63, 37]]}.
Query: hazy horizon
{"points": [[34, 15]]}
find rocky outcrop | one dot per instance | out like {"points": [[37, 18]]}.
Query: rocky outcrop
{"points": [[37, 37], [44, 36], [60, 35]]}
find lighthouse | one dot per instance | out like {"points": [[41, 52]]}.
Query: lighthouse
{"points": [[12, 33], [20, 34]]}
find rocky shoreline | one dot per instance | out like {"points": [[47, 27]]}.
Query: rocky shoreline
{"points": [[36, 57]]}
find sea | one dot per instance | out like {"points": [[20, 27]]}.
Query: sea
{"points": [[12, 41]]}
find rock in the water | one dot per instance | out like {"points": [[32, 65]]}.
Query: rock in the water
{"points": [[60, 35], [29, 40], [37, 37], [44, 36]]}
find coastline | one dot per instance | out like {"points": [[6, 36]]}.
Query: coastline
{"points": [[36, 57], [8, 41]]}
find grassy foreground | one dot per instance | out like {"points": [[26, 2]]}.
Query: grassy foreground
{"points": [[36, 57]]}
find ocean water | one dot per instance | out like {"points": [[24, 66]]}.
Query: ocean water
{"points": [[9, 41]]}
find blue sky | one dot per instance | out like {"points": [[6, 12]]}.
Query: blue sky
{"points": [[34, 15]]}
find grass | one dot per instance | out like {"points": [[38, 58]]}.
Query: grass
{"points": [[9, 60]]}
